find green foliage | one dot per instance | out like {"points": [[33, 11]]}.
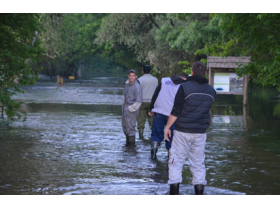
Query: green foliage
{"points": [[185, 64], [276, 111], [161, 40], [126, 38], [73, 41], [20, 50], [70, 43], [255, 35], [114, 43], [11, 108], [204, 61]]}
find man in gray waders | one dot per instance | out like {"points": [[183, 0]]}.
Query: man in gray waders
{"points": [[148, 85], [161, 106], [132, 99], [191, 115]]}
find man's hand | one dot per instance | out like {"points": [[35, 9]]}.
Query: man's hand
{"points": [[151, 114], [167, 133]]}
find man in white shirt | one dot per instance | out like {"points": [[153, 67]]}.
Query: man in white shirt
{"points": [[148, 85], [161, 107]]}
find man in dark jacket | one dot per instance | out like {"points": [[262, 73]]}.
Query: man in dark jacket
{"points": [[191, 115], [161, 106]]}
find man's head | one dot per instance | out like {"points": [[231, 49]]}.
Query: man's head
{"points": [[146, 69], [183, 75], [132, 75], [199, 69]]}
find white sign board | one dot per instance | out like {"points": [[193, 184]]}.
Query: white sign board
{"points": [[228, 82], [221, 82]]}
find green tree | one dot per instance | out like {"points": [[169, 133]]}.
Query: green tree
{"points": [[161, 40], [255, 35], [20, 50], [69, 40]]}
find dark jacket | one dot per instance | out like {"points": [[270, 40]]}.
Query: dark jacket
{"points": [[192, 105], [175, 79]]}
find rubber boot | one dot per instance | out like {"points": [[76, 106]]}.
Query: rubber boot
{"points": [[198, 189], [141, 136], [126, 139], [130, 140], [154, 149], [168, 152], [174, 189]]}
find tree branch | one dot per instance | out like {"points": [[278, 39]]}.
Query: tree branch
{"points": [[171, 22], [66, 31], [268, 30], [52, 22], [153, 21]]}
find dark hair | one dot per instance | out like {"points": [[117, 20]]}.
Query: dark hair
{"points": [[147, 69], [199, 69], [132, 71], [183, 75]]}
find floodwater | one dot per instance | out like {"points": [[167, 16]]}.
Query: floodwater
{"points": [[72, 143]]}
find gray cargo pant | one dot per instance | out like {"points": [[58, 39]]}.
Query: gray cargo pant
{"points": [[191, 145], [128, 120]]}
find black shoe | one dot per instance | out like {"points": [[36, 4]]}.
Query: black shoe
{"points": [[174, 189], [130, 140], [198, 189], [154, 149], [140, 130]]}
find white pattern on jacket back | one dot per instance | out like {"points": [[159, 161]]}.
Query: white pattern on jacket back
{"points": [[165, 100]]}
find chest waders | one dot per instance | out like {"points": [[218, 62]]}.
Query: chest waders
{"points": [[129, 118]]}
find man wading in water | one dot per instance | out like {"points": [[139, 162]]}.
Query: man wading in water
{"points": [[148, 85], [132, 99], [191, 115], [161, 106]]}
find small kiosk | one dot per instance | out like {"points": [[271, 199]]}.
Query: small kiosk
{"points": [[222, 76]]}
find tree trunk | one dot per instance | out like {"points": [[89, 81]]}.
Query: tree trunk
{"points": [[79, 71], [69, 71], [52, 71], [245, 90], [2, 111]]}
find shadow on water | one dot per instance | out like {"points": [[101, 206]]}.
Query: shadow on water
{"points": [[72, 143]]}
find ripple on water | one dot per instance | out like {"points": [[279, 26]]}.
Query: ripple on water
{"points": [[72, 143]]}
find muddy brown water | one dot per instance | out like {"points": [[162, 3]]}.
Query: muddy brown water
{"points": [[72, 143]]}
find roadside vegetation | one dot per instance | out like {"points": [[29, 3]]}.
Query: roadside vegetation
{"points": [[61, 44]]}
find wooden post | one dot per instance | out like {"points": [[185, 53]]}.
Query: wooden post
{"points": [[210, 77], [245, 90], [245, 114]]}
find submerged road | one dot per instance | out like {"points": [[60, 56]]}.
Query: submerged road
{"points": [[72, 143]]}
